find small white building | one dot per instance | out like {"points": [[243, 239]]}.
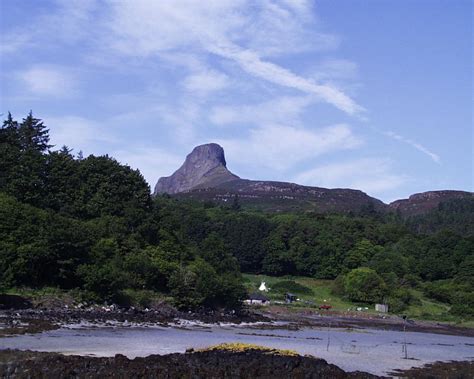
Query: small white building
{"points": [[263, 287], [381, 308]]}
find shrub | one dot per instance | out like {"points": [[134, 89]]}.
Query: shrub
{"points": [[365, 285], [400, 299], [463, 304]]}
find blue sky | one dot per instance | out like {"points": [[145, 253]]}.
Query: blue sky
{"points": [[372, 95]]}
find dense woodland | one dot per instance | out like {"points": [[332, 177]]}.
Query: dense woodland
{"points": [[90, 223]]}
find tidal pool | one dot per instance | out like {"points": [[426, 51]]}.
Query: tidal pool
{"points": [[370, 350]]}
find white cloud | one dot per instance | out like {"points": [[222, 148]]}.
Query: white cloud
{"points": [[371, 175], [335, 69], [280, 110], [280, 147], [435, 157], [228, 29], [206, 82], [10, 43], [47, 80], [251, 63], [67, 23], [153, 163], [285, 27], [78, 133]]}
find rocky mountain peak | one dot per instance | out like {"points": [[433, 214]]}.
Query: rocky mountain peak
{"points": [[205, 166], [207, 154]]}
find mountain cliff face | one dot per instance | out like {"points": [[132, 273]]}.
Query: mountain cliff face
{"points": [[204, 176], [420, 203], [205, 166]]}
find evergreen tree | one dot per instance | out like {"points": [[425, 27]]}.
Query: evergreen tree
{"points": [[9, 151], [33, 134], [9, 131]]}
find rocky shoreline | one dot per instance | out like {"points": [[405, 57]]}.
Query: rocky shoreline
{"points": [[214, 363], [20, 316], [29, 321], [27, 318], [250, 363]]}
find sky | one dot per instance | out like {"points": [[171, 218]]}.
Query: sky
{"points": [[373, 95]]}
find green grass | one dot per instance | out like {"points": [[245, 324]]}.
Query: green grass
{"points": [[433, 310], [321, 290]]}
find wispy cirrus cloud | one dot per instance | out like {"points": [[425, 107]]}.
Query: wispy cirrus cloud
{"points": [[252, 63], [67, 24], [418, 146], [225, 29]]}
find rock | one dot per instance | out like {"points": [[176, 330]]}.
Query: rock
{"points": [[204, 166], [14, 302]]}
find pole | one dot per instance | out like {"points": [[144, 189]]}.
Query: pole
{"points": [[329, 336], [405, 337]]}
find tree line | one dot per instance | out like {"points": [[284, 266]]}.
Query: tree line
{"points": [[90, 223]]}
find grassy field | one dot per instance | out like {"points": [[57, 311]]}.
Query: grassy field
{"points": [[320, 290]]}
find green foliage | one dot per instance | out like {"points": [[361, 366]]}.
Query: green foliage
{"points": [[150, 268], [465, 272], [90, 224], [463, 304], [337, 287], [105, 280], [364, 285], [400, 299], [360, 254], [456, 215], [292, 287], [457, 293], [194, 285], [199, 284]]}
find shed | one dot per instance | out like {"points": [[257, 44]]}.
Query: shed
{"points": [[381, 308]]}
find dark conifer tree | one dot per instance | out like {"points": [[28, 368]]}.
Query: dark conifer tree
{"points": [[9, 150], [9, 131], [34, 135]]}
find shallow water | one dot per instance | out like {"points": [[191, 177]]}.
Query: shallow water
{"points": [[374, 351]]}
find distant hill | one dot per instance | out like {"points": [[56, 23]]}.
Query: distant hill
{"points": [[456, 215], [204, 176], [421, 203]]}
